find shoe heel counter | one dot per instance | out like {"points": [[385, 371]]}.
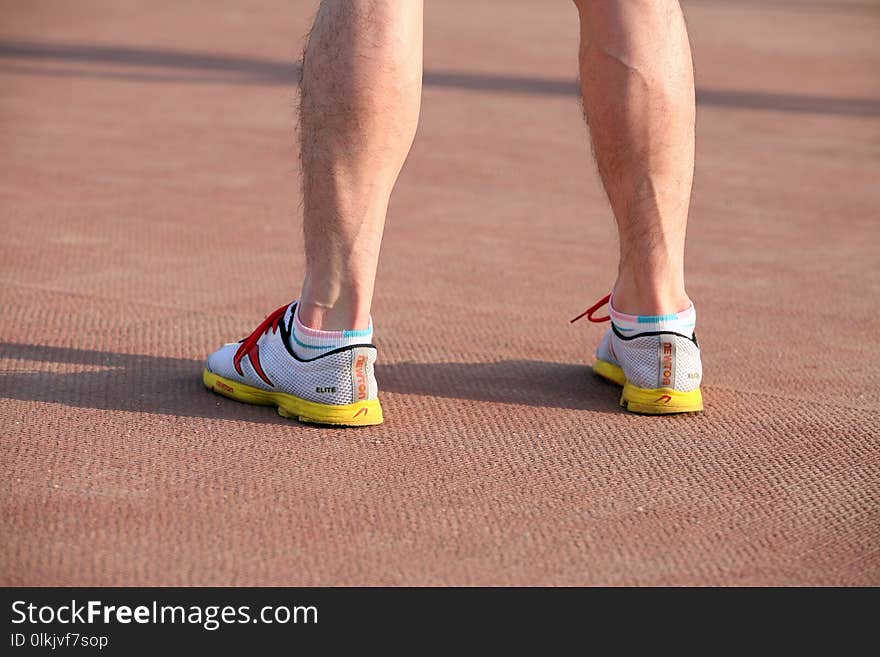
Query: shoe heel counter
{"points": [[660, 361], [689, 373], [364, 386], [637, 358], [680, 366]]}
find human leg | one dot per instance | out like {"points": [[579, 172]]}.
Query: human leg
{"points": [[360, 97], [638, 92]]}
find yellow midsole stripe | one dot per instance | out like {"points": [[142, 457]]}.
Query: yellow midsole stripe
{"points": [[649, 400], [368, 411]]}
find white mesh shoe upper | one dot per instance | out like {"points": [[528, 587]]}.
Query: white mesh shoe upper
{"points": [[341, 377], [654, 361], [603, 351]]}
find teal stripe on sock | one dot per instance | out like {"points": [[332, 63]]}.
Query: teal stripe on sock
{"points": [[308, 346], [653, 319], [363, 333], [630, 330]]}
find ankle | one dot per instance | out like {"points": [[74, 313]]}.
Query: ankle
{"points": [[333, 317], [649, 299]]}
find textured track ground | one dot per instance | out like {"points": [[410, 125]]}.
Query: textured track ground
{"points": [[149, 211]]}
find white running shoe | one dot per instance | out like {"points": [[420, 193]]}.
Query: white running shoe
{"points": [[660, 371], [337, 387]]}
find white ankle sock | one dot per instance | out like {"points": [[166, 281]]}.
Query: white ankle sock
{"points": [[682, 322], [310, 343]]}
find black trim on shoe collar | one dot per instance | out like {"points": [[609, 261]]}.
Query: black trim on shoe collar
{"points": [[287, 331], [650, 333]]}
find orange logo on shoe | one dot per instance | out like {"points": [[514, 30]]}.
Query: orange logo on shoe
{"points": [[361, 376], [223, 386], [664, 399], [666, 364], [363, 412]]}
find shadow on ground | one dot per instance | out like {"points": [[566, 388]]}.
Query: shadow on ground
{"points": [[172, 386], [183, 67]]}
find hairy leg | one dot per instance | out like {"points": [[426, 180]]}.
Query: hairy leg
{"points": [[359, 107], [638, 89]]}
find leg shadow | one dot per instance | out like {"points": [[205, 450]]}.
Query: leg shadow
{"points": [[172, 386], [523, 382]]}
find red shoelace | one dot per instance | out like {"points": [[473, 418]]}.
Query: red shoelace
{"points": [[588, 313], [249, 345]]}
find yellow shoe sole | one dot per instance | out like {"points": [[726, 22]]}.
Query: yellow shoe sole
{"points": [[649, 401], [360, 414]]}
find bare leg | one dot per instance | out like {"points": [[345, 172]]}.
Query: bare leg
{"points": [[638, 89], [359, 107]]}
